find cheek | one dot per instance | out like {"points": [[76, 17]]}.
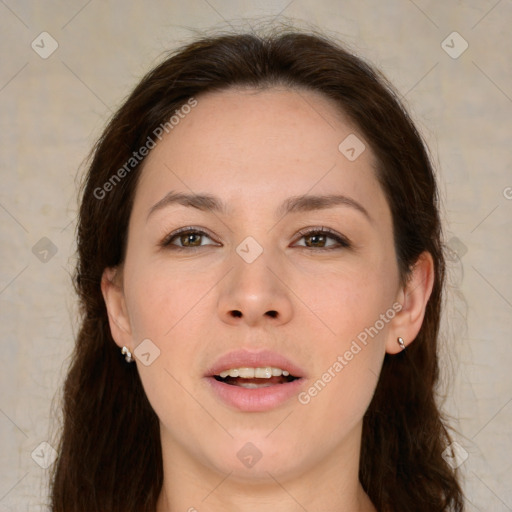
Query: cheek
{"points": [[160, 299], [168, 307], [164, 306], [357, 309], [340, 399], [358, 312], [351, 300]]}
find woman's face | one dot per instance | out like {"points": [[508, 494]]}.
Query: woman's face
{"points": [[258, 282]]}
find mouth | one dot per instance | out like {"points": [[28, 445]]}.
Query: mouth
{"points": [[254, 381], [255, 378]]}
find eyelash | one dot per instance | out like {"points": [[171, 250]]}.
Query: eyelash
{"points": [[343, 242]]}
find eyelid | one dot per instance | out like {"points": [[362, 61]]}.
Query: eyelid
{"points": [[166, 242], [343, 241]]}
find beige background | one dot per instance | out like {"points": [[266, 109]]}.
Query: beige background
{"points": [[53, 109]]}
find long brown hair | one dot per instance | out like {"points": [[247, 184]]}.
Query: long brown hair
{"points": [[109, 454]]}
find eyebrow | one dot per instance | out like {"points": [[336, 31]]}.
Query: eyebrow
{"points": [[294, 204]]}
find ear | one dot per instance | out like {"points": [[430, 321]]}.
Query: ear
{"points": [[113, 295], [413, 297]]}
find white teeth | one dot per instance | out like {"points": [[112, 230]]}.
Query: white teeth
{"points": [[251, 385], [246, 373], [265, 372]]}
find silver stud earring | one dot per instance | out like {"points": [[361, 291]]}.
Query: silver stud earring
{"points": [[127, 354], [401, 343]]}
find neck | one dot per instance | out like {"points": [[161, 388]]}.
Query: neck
{"points": [[330, 484]]}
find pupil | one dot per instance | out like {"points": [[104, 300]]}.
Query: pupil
{"points": [[189, 239], [316, 239]]}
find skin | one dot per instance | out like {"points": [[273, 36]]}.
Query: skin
{"points": [[254, 149]]}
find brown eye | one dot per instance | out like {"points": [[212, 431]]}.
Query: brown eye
{"points": [[190, 240], [186, 238], [316, 240], [323, 239]]}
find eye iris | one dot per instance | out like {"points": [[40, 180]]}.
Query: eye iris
{"points": [[316, 238], [188, 239]]}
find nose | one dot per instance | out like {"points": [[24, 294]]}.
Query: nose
{"points": [[255, 293]]}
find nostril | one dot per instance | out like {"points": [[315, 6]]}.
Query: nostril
{"points": [[238, 314]]}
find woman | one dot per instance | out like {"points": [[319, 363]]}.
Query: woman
{"points": [[260, 273]]}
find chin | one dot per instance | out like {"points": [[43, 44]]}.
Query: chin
{"points": [[257, 459]]}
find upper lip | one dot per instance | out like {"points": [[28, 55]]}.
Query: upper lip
{"points": [[243, 358]]}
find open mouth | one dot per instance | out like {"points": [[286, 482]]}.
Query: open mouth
{"points": [[254, 378], [255, 383]]}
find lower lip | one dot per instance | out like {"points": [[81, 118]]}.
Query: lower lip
{"points": [[255, 399]]}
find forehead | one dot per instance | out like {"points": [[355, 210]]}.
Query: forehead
{"points": [[261, 145]]}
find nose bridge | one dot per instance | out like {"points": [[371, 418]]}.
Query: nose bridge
{"points": [[253, 292]]}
